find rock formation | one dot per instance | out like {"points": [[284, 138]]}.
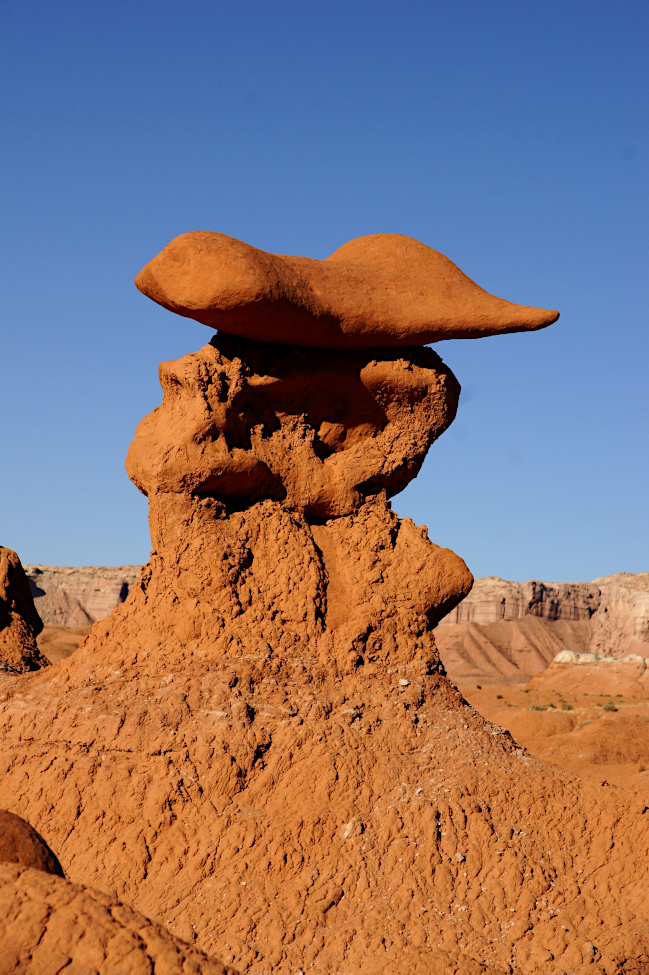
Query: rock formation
{"points": [[20, 624], [515, 629], [260, 747], [494, 599], [20, 843], [79, 597], [506, 630], [382, 290], [621, 624]]}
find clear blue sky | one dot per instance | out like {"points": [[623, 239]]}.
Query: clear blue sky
{"points": [[511, 136]]}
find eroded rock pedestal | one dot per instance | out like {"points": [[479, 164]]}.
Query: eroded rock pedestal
{"points": [[260, 749]]}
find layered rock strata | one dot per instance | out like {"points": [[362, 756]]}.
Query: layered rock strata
{"points": [[608, 617], [76, 597], [260, 747], [20, 624]]}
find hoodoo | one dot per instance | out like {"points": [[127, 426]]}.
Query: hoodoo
{"points": [[260, 748]]}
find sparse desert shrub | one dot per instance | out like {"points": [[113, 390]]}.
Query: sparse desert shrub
{"points": [[609, 706], [566, 707], [499, 697], [641, 767], [537, 707]]}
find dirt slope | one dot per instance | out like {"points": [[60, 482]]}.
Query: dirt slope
{"points": [[48, 925], [508, 650]]}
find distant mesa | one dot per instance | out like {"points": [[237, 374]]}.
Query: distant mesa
{"points": [[383, 290], [21, 844]]}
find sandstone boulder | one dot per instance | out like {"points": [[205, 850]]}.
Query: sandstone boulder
{"points": [[20, 624], [20, 843], [380, 290]]}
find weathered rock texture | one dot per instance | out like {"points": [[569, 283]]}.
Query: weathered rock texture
{"points": [[293, 797], [320, 431], [285, 773], [380, 290], [21, 844], [621, 624], [76, 597], [20, 624], [48, 925]]}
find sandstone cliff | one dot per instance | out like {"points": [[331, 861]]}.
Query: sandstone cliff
{"points": [[516, 629], [76, 597]]}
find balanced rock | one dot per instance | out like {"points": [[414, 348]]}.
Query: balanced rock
{"points": [[380, 290], [260, 747], [320, 431], [20, 624], [20, 843]]}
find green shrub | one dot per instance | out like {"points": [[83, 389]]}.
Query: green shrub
{"points": [[609, 706], [566, 707], [536, 707]]}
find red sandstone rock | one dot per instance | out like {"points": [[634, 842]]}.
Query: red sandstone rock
{"points": [[20, 624], [380, 290], [260, 747], [318, 430], [48, 925], [20, 843]]}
